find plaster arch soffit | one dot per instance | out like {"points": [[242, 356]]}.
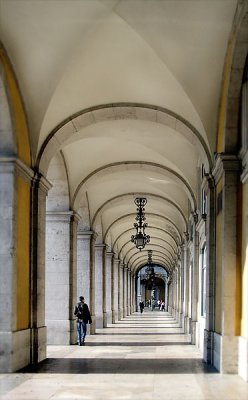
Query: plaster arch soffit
{"points": [[154, 237], [138, 268], [155, 256], [114, 111], [133, 164], [128, 215], [149, 226], [153, 247], [174, 254], [133, 215], [157, 260]]}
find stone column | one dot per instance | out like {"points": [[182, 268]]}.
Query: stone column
{"points": [[115, 288], [128, 291], [186, 287], [73, 276], [138, 292], [181, 316], [107, 292], [60, 281], [120, 293], [195, 283], [210, 270], [40, 187], [92, 283], [99, 282], [226, 172], [14, 334], [132, 292], [125, 291], [83, 265]]}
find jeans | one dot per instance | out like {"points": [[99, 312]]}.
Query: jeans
{"points": [[81, 330]]}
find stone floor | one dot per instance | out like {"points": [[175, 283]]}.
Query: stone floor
{"points": [[144, 357]]}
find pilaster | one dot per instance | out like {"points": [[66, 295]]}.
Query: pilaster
{"points": [[60, 281], [83, 265], [15, 341], [107, 289], [99, 282], [227, 171], [115, 289], [39, 190], [120, 293]]}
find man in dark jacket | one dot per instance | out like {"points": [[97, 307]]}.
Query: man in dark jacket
{"points": [[82, 313]]}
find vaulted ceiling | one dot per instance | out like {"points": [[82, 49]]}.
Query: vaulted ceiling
{"points": [[125, 96]]}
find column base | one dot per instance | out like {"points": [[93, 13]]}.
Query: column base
{"points": [[195, 333], [120, 314], [229, 354], [187, 325], [208, 347], [15, 350], [39, 344], [92, 329], [114, 316], [243, 358], [107, 318], [99, 321], [61, 332]]}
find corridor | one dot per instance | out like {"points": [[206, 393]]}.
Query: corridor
{"points": [[144, 356]]}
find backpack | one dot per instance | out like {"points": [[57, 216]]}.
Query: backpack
{"points": [[79, 311]]}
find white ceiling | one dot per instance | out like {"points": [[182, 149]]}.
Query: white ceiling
{"points": [[70, 56]]}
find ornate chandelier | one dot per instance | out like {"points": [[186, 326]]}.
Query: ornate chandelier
{"points": [[140, 239]]}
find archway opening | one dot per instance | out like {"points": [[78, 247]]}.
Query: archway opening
{"points": [[152, 286]]}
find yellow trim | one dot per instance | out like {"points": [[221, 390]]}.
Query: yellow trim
{"points": [[17, 111]]}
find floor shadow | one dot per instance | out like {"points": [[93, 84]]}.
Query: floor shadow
{"points": [[137, 344], [120, 366], [138, 333]]}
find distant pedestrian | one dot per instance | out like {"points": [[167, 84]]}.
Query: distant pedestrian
{"points": [[82, 313], [163, 306], [141, 306]]}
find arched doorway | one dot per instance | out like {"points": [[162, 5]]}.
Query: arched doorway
{"points": [[152, 285]]}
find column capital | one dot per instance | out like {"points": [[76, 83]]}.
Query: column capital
{"points": [[14, 164], [110, 254], [40, 182], [59, 216], [244, 175], [100, 246], [225, 163], [85, 234]]}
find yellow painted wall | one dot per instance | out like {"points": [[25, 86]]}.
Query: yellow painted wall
{"points": [[17, 110], [23, 255], [20, 131], [218, 287], [244, 269]]}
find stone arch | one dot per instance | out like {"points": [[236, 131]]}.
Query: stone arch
{"points": [[135, 164], [228, 137], [73, 124], [131, 230]]}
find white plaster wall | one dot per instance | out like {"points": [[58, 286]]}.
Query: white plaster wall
{"points": [[57, 304]]}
